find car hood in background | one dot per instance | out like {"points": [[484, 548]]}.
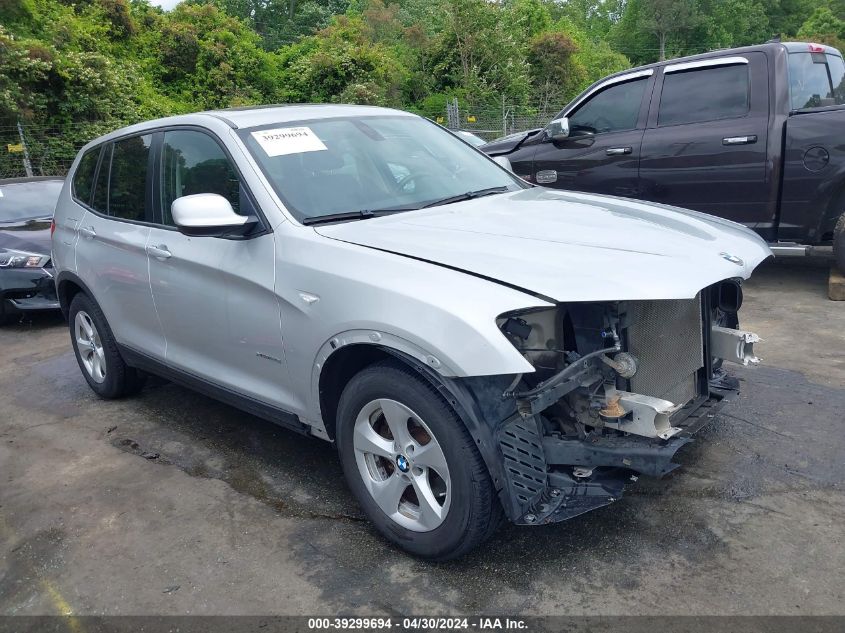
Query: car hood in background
{"points": [[31, 236], [569, 246]]}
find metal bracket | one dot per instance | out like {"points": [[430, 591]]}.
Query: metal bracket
{"points": [[735, 346]]}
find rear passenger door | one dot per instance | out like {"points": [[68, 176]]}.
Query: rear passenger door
{"points": [[602, 152], [705, 147], [215, 296], [110, 250]]}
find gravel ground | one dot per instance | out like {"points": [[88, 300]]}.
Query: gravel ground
{"points": [[170, 503]]}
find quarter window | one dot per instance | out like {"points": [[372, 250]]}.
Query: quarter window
{"points": [[707, 94], [192, 162], [816, 80], [101, 187], [612, 110], [83, 179]]}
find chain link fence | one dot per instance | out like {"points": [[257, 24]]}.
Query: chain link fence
{"points": [[40, 150], [28, 149], [492, 123]]}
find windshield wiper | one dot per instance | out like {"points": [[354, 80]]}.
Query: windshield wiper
{"points": [[469, 195], [363, 214]]}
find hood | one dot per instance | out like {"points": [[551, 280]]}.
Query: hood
{"points": [[31, 236], [569, 246], [508, 144]]}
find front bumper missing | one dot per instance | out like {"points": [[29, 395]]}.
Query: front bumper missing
{"points": [[543, 471]]}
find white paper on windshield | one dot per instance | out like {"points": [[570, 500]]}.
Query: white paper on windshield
{"points": [[288, 140]]}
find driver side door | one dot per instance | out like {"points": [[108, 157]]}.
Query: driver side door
{"points": [[602, 152]]}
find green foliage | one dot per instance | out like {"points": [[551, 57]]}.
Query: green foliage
{"points": [[78, 63]]}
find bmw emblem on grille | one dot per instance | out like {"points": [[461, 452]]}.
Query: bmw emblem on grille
{"points": [[732, 258], [402, 463]]}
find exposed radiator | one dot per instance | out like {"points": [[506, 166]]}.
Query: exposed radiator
{"points": [[666, 337]]}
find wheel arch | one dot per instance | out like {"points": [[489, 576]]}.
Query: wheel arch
{"points": [[476, 401], [68, 285]]}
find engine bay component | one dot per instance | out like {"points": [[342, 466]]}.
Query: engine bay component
{"points": [[650, 417], [623, 364], [735, 346]]}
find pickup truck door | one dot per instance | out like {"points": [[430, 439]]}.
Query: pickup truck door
{"points": [[705, 146], [602, 153]]}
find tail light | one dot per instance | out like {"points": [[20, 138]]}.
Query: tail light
{"points": [[52, 227], [816, 48]]}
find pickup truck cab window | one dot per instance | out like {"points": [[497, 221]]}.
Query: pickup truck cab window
{"points": [[614, 109], [816, 80], [705, 94]]}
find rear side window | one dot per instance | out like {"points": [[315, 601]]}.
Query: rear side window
{"points": [[816, 80], [193, 162], [128, 179], [612, 110], [100, 201], [706, 94], [83, 179]]}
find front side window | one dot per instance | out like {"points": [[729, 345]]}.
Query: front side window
{"points": [[193, 162], [376, 163], [706, 94], [816, 80], [128, 179], [83, 179], [614, 109]]}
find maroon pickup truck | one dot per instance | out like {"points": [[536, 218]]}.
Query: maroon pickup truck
{"points": [[754, 134]]}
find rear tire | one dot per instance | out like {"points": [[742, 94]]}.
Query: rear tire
{"points": [[423, 484], [97, 354], [839, 243]]}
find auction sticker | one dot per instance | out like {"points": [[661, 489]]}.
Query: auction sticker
{"points": [[288, 140]]}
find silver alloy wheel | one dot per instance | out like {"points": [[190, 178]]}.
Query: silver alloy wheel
{"points": [[402, 465], [90, 347]]}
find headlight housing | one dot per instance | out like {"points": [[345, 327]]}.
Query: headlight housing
{"points": [[21, 259]]}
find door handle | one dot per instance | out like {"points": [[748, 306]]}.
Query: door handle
{"points": [[618, 151], [88, 231], [740, 140], [159, 252]]}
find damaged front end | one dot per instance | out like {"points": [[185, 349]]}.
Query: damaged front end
{"points": [[619, 387]]}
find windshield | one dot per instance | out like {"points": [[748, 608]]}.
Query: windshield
{"points": [[328, 166], [28, 200], [816, 80]]}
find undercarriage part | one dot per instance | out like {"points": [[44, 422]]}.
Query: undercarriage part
{"points": [[623, 364], [647, 457], [735, 346], [649, 417], [567, 496], [524, 461]]}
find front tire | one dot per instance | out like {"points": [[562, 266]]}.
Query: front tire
{"points": [[412, 464], [97, 354]]}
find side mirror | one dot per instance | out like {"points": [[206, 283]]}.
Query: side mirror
{"points": [[558, 129], [503, 162], [207, 214]]}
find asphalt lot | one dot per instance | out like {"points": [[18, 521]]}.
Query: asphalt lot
{"points": [[170, 503]]}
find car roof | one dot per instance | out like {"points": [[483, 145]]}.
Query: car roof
{"points": [[791, 47], [255, 116]]}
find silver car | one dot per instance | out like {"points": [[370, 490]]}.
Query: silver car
{"points": [[478, 348]]}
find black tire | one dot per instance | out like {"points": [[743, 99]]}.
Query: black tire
{"points": [[120, 379], [475, 511], [7, 317], [839, 243]]}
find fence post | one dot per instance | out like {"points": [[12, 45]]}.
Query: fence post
{"points": [[27, 166]]}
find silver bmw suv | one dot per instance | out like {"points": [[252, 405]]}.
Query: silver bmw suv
{"points": [[477, 347]]}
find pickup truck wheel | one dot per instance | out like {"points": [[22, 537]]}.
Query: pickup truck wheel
{"points": [[97, 354], [839, 243], [412, 465]]}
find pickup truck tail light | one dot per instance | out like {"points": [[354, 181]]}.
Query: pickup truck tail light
{"points": [[816, 48]]}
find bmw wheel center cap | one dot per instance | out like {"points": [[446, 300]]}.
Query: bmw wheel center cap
{"points": [[402, 463]]}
